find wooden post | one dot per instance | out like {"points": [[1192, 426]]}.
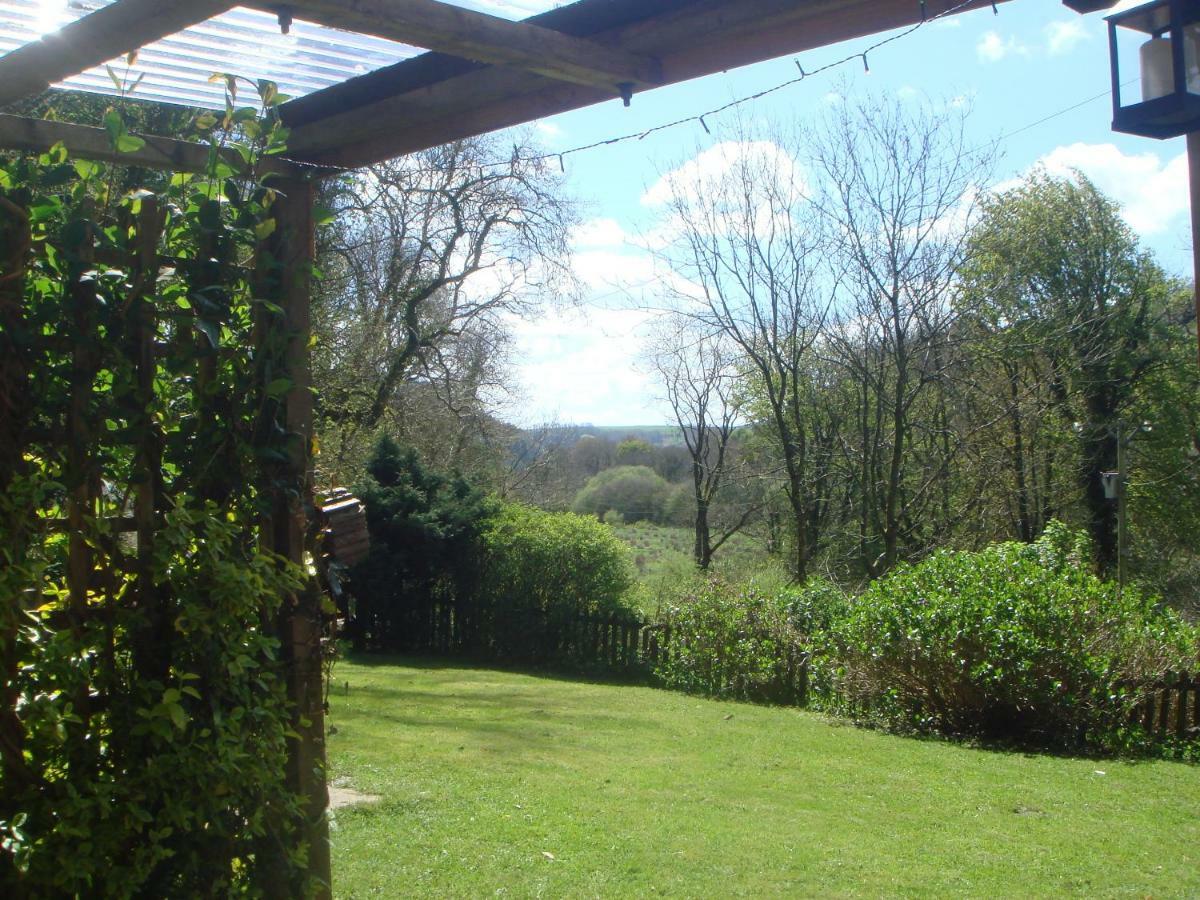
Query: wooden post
{"points": [[1193, 145], [300, 621]]}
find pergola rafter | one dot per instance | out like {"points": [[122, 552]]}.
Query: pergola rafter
{"points": [[462, 32]]}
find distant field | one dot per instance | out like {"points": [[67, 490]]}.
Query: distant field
{"points": [[658, 435], [663, 554], [494, 784]]}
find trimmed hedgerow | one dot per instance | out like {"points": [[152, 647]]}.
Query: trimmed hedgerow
{"points": [[734, 641], [1015, 642]]}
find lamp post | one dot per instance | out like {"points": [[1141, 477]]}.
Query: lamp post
{"points": [[1169, 63], [1116, 483]]}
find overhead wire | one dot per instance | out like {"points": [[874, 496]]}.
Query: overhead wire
{"points": [[701, 118]]}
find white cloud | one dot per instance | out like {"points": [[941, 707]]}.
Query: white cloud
{"points": [[1063, 36], [601, 232], [712, 165], [993, 48], [582, 365], [547, 130], [1152, 193]]}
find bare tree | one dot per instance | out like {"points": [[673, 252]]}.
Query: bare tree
{"points": [[699, 376], [745, 242], [896, 188], [426, 252]]}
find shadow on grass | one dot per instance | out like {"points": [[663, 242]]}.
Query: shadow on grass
{"points": [[471, 664], [513, 701]]}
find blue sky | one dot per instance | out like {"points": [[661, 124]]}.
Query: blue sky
{"points": [[1034, 59]]}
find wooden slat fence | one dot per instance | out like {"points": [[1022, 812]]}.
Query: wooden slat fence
{"points": [[1170, 707]]}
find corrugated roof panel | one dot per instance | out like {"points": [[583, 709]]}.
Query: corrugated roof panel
{"points": [[241, 42]]}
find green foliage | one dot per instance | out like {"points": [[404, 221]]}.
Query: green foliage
{"points": [[729, 641], [425, 541], [663, 560], [541, 571], [143, 717], [512, 577], [638, 493], [634, 451], [168, 784], [1016, 642]]}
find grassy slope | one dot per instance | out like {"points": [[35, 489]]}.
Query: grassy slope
{"points": [[637, 792], [662, 555]]}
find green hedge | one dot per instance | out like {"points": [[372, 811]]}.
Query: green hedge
{"points": [[1013, 642], [541, 571], [735, 641]]}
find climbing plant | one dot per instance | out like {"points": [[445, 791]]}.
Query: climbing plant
{"points": [[144, 723]]}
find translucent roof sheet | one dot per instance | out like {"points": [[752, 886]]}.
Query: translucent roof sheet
{"points": [[241, 42]]}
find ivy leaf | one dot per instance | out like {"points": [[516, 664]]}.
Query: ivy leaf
{"points": [[323, 215], [86, 169], [129, 143]]}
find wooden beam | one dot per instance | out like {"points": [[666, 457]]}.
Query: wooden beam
{"points": [[87, 142], [691, 40], [462, 32], [105, 34], [292, 248]]}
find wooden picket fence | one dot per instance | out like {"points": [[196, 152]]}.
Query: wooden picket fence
{"points": [[1171, 707], [630, 645]]}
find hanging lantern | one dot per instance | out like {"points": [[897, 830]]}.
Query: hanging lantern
{"points": [[1169, 62], [1087, 6], [1111, 482]]}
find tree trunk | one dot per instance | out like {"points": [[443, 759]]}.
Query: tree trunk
{"points": [[703, 546]]}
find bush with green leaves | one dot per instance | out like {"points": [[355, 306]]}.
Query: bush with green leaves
{"points": [[638, 493], [540, 572], [734, 641], [1015, 642]]}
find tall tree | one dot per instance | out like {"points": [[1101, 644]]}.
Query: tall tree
{"points": [[699, 377], [1055, 262], [742, 239], [895, 186]]}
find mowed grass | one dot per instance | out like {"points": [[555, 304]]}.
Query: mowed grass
{"points": [[501, 784]]}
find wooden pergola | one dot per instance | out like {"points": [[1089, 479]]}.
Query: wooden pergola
{"points": [[482, 73]]}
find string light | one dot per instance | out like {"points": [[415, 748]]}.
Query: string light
{"points": [[698, 118]]}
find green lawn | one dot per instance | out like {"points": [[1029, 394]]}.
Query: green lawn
{"points": [[497, 784]]}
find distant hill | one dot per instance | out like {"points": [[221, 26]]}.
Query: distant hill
{"points": [[655, 435]]}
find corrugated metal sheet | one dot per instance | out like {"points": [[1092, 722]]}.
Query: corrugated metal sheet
{"points": [[241, 42]]}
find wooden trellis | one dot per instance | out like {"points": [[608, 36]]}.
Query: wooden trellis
{"points": [[484, 73]]}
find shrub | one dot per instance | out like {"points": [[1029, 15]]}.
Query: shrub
{"points": [[541, 571], [637, 492], [425, 545], [1014, 642], [735, 642]]}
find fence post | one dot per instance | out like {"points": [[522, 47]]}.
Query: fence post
{"points": [[1181, 710]]}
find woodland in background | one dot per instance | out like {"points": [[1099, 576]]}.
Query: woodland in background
{"points": [[869, 355]]}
